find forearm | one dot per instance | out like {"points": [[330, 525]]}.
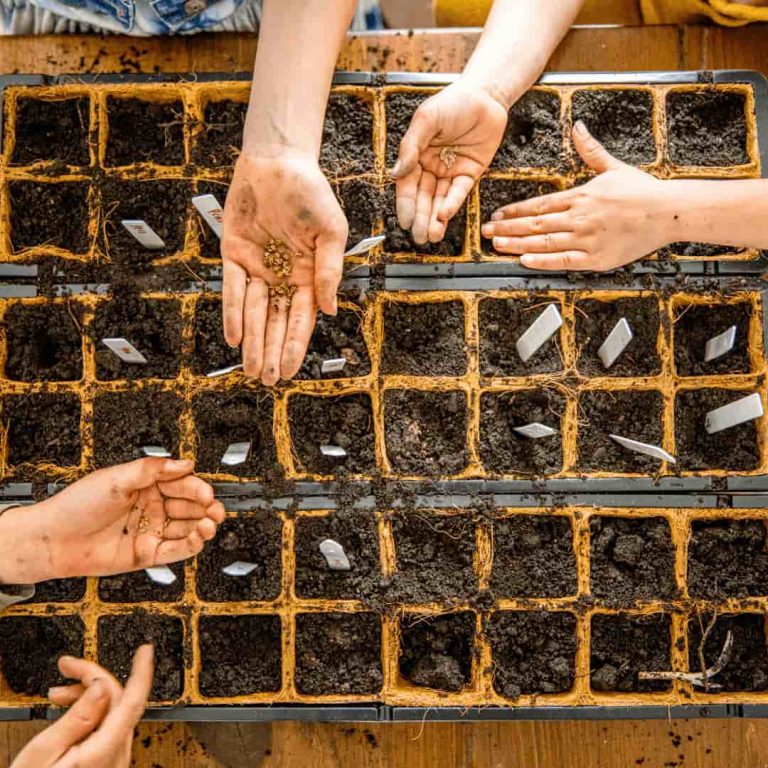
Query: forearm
{"points": [[518, 40], [25, 550], [299, 43]]}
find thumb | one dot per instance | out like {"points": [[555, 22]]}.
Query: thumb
{"points": [[142, 473], [420, 132], [591, 151]]}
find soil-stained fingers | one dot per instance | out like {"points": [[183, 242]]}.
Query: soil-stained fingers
{"points": [[254, 326], [301, 322], [277, 327], [180, 529], [233, 300], [191, 488], [406, 189], [183, 509]]}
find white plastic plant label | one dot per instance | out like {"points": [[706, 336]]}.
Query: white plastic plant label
{"points": [[720, 345], [161, 574], [365, 245], [211, 211], [236, 453], [539, 333], [125, 350], [239, 568], [535, 430], [334, 555], [334, 365], [156, 451], [735, 413], [144, 233], [615, 343], [645, 448], [223, 371], [333, 451]]}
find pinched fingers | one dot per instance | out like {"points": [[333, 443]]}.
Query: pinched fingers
{"points": [[181, 529], [88, 672], [183, 509], [191, 488]]}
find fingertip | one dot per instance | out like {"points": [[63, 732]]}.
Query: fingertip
{"points": [[500, 243], [497, 216], [216, 512], [206, 528], [487, 230], [529, 260], [270, 376], [176, 466], [580, 129]]}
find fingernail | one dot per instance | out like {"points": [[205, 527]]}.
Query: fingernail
{"points": [[580, 129], [527, 260], [150, 647], [396, 169], [55, 690], [497, 216], [99, 691], [487, 230], [500, 242]]}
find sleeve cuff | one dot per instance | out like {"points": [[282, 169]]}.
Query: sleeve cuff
{"points": [[15, 593]]}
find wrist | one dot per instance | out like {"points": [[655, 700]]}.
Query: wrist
{"points": [[279, 129], [503, 93], [25, 553]]}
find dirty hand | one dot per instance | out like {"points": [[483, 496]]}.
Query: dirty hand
{"points": [[97, 730], [283, 198], [452, 139], [148, 512], [621, 215]]}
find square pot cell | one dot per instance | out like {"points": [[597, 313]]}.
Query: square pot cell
{"points": [[426, 432], [42, 428], [533, 653], [221, 136], [142, 131], [347, 146], [596, 319], [43, 342], [400, 241], [695, 324], [153, 326], [436, 651], [533, 137], [30, 648], [502, 323], [334, 338], [363, 205], [732, 449], [211, 352], [707, 127], [621, 120], [632, 560], [399, 109], [253, 539], [210, 243], [533, 557], [124, 422], [627, 413], [137, 587], [239, 655], [343, 421], [727, 558], [505, 452], [338, 653], [49, 214], [622, 646], [58, 591], [164, 204], [424, 339], [120, 636], [234, 415], [51, 130], [357, 532], [434, 556], [747, 667]]}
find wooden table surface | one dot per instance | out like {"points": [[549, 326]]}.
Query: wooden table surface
{"points": [[652, 744]]}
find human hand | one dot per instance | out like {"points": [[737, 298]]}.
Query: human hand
{"points": [[97, 730], [451, 140], [145, 513], [279, 198], [621, 215]]}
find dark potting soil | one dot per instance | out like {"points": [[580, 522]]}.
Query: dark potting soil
{"points": [[210, 244], [143, 132], [49, 214], [627, 413], [363, 205], [357, 532], [235, 415], [59, 591], [424, 339], [707, 128], [434, 557], [347, 136], [44, 342], [137, 587], [154, 420], [533, 557], [426, 432], [211, 351], [346, 422], [219, 142], [696, 324], [727, 558], [253, 539], [153, 326], [30, 648], [120, 636], [436, 651], [51, 130], [621, 120], [533, 652], [399, 109], [632, 560], [502, 323], [624, 645], [699, 250], [596, 319], [502, 450], [533, 136], [747, 667], [338, 653], [239, 655], [733, 449], [334, 338], [42, 428]]}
